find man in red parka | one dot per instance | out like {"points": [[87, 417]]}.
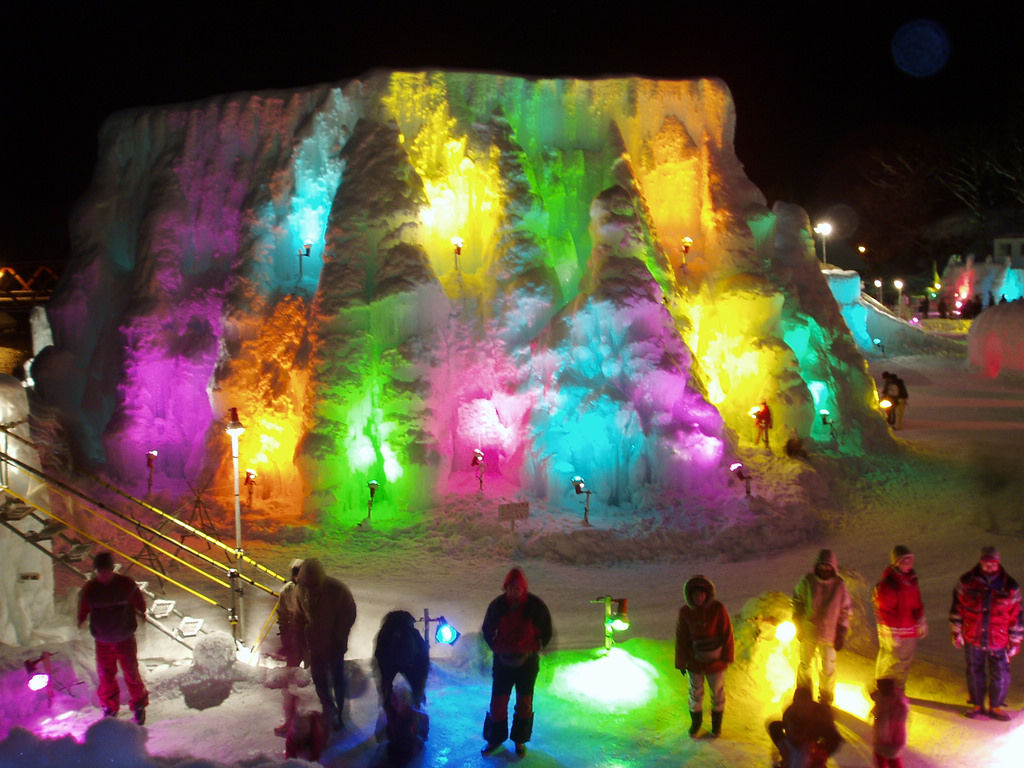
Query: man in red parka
{"points": [[987, 622], [704, 648], [899, 614], [112, 602], [516, 626]]}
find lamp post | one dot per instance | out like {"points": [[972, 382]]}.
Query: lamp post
{"points": [[150, 463], [234, 429], [898, 285], [686, 245], [824, 229], [457, 243], [878, 290], [303, 253], [581, 488]]}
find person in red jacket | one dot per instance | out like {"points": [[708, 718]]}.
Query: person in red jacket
{"points": [[899, 614], [704, 648], [516, 626], [987, 622], [112, 602]]}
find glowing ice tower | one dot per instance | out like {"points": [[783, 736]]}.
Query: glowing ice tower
{"points": [[569, 332]]}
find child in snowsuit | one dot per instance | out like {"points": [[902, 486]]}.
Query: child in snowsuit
{"points": [[890, 723], [807, 734]]}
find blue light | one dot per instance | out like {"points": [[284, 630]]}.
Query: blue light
{"points": [[446, 634]]}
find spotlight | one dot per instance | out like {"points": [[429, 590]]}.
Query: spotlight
{"points": [[446, 634], [150, 463], [478, 462], [686, 245], [785, 632], [373, 485], [615, 620], [303, 253], [250, 483], [38, 671], [878, 343], [826, 420], [580, 487], [457, 243], [737, 469]]}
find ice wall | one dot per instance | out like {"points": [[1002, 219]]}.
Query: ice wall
{"points": [[619, 296]]}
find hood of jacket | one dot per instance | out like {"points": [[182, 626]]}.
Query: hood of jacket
{"points": [[827, 557], [698, 582]]}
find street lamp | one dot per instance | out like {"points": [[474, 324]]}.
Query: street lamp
{"points": [[457, 243], [878, 286], [234, 430], [581, 488], [686, 246], [824, 229], [303, 253], [898, 285]]}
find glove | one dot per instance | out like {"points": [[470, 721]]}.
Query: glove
{"points": [[958, 640], [922, 628], [840, 640], [1012, 650]]}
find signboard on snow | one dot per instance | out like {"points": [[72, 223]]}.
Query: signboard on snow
{"points": [[519, 510]]}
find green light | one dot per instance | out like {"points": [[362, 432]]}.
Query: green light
{"points": [[619, 624], [616, 681]]}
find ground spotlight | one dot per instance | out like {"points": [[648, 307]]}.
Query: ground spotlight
{"points": [[444, 633], [581, 488], [457, 243], [150, 463], [478, 462], [38, 671], [826, 420], [878, 343], [372, 485], [737, 469], [304, 253], [615, 619], [785, 632], [250, 483]]}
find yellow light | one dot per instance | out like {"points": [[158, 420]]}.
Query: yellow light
{"points": [[851, 698], [885, 403], [754, 411], [785, 632]]}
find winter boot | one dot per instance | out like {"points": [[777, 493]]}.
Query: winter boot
{"points": [[696, 719], [716, 724], [495, 733], [522, 729]]}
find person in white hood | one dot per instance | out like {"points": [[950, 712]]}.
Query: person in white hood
{"points": [[821, 613]]}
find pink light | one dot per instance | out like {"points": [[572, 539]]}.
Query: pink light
{"points": [[38, 681]]}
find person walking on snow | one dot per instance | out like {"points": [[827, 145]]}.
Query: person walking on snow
{"points": [[899, 614], [704, 648], [330, 612], [112, 602], [821, 613], [987, 622], [516, 627], [763, 419]]}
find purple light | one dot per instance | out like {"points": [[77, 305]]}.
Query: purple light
{"points": [[38, 681]]}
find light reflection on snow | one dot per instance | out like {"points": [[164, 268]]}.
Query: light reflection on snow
{"points": [[616, 681]]}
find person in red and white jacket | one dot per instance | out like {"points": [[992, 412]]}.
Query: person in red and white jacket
{"points": [[899, 614], [704, 649], [987, 622]]}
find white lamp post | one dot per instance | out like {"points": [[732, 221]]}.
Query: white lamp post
{"points": [[824, 229], [898, 285], [234, 429], [878, 285]]}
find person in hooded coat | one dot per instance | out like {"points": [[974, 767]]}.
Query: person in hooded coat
{"points": [[516, 627], [704, 648], [330, 612], [821, 612], [899, 614]]}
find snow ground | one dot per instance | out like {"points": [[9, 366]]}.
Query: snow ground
{"points": [[953, 488]]}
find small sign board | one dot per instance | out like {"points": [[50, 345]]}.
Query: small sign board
{"points": [[161, 608], [519, 510]]}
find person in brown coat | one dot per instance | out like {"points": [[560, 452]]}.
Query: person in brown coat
{"points": [[330, 612], [704, 649]]}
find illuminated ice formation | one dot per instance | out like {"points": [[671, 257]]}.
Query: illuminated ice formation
{"points": [[573, 276]]}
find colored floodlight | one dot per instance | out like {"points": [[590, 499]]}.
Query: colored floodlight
{"points": [[785, 632], [446, 634], [615, 619], [578, 484]]}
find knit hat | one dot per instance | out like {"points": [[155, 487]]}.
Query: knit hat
{"points": [[828, 557], [103, 561], [898, 553], [989, 553], [515, 575]]}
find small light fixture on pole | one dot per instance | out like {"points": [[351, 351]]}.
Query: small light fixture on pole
{"points": [[150, 463], [826, 419], [372, 485], [898, 285], [737, 469], [878, 288], [616, 620], [457, 243], [445, 634], [478, 462], [304, 253], [687, 244], [878, 343], [581, 488], [234, 430], [824, 229], [250, 483]]}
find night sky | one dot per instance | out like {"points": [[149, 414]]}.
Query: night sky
{"points": [[811, 80]]}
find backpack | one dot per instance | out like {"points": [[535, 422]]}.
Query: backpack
{"points": [[902, 388]]}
